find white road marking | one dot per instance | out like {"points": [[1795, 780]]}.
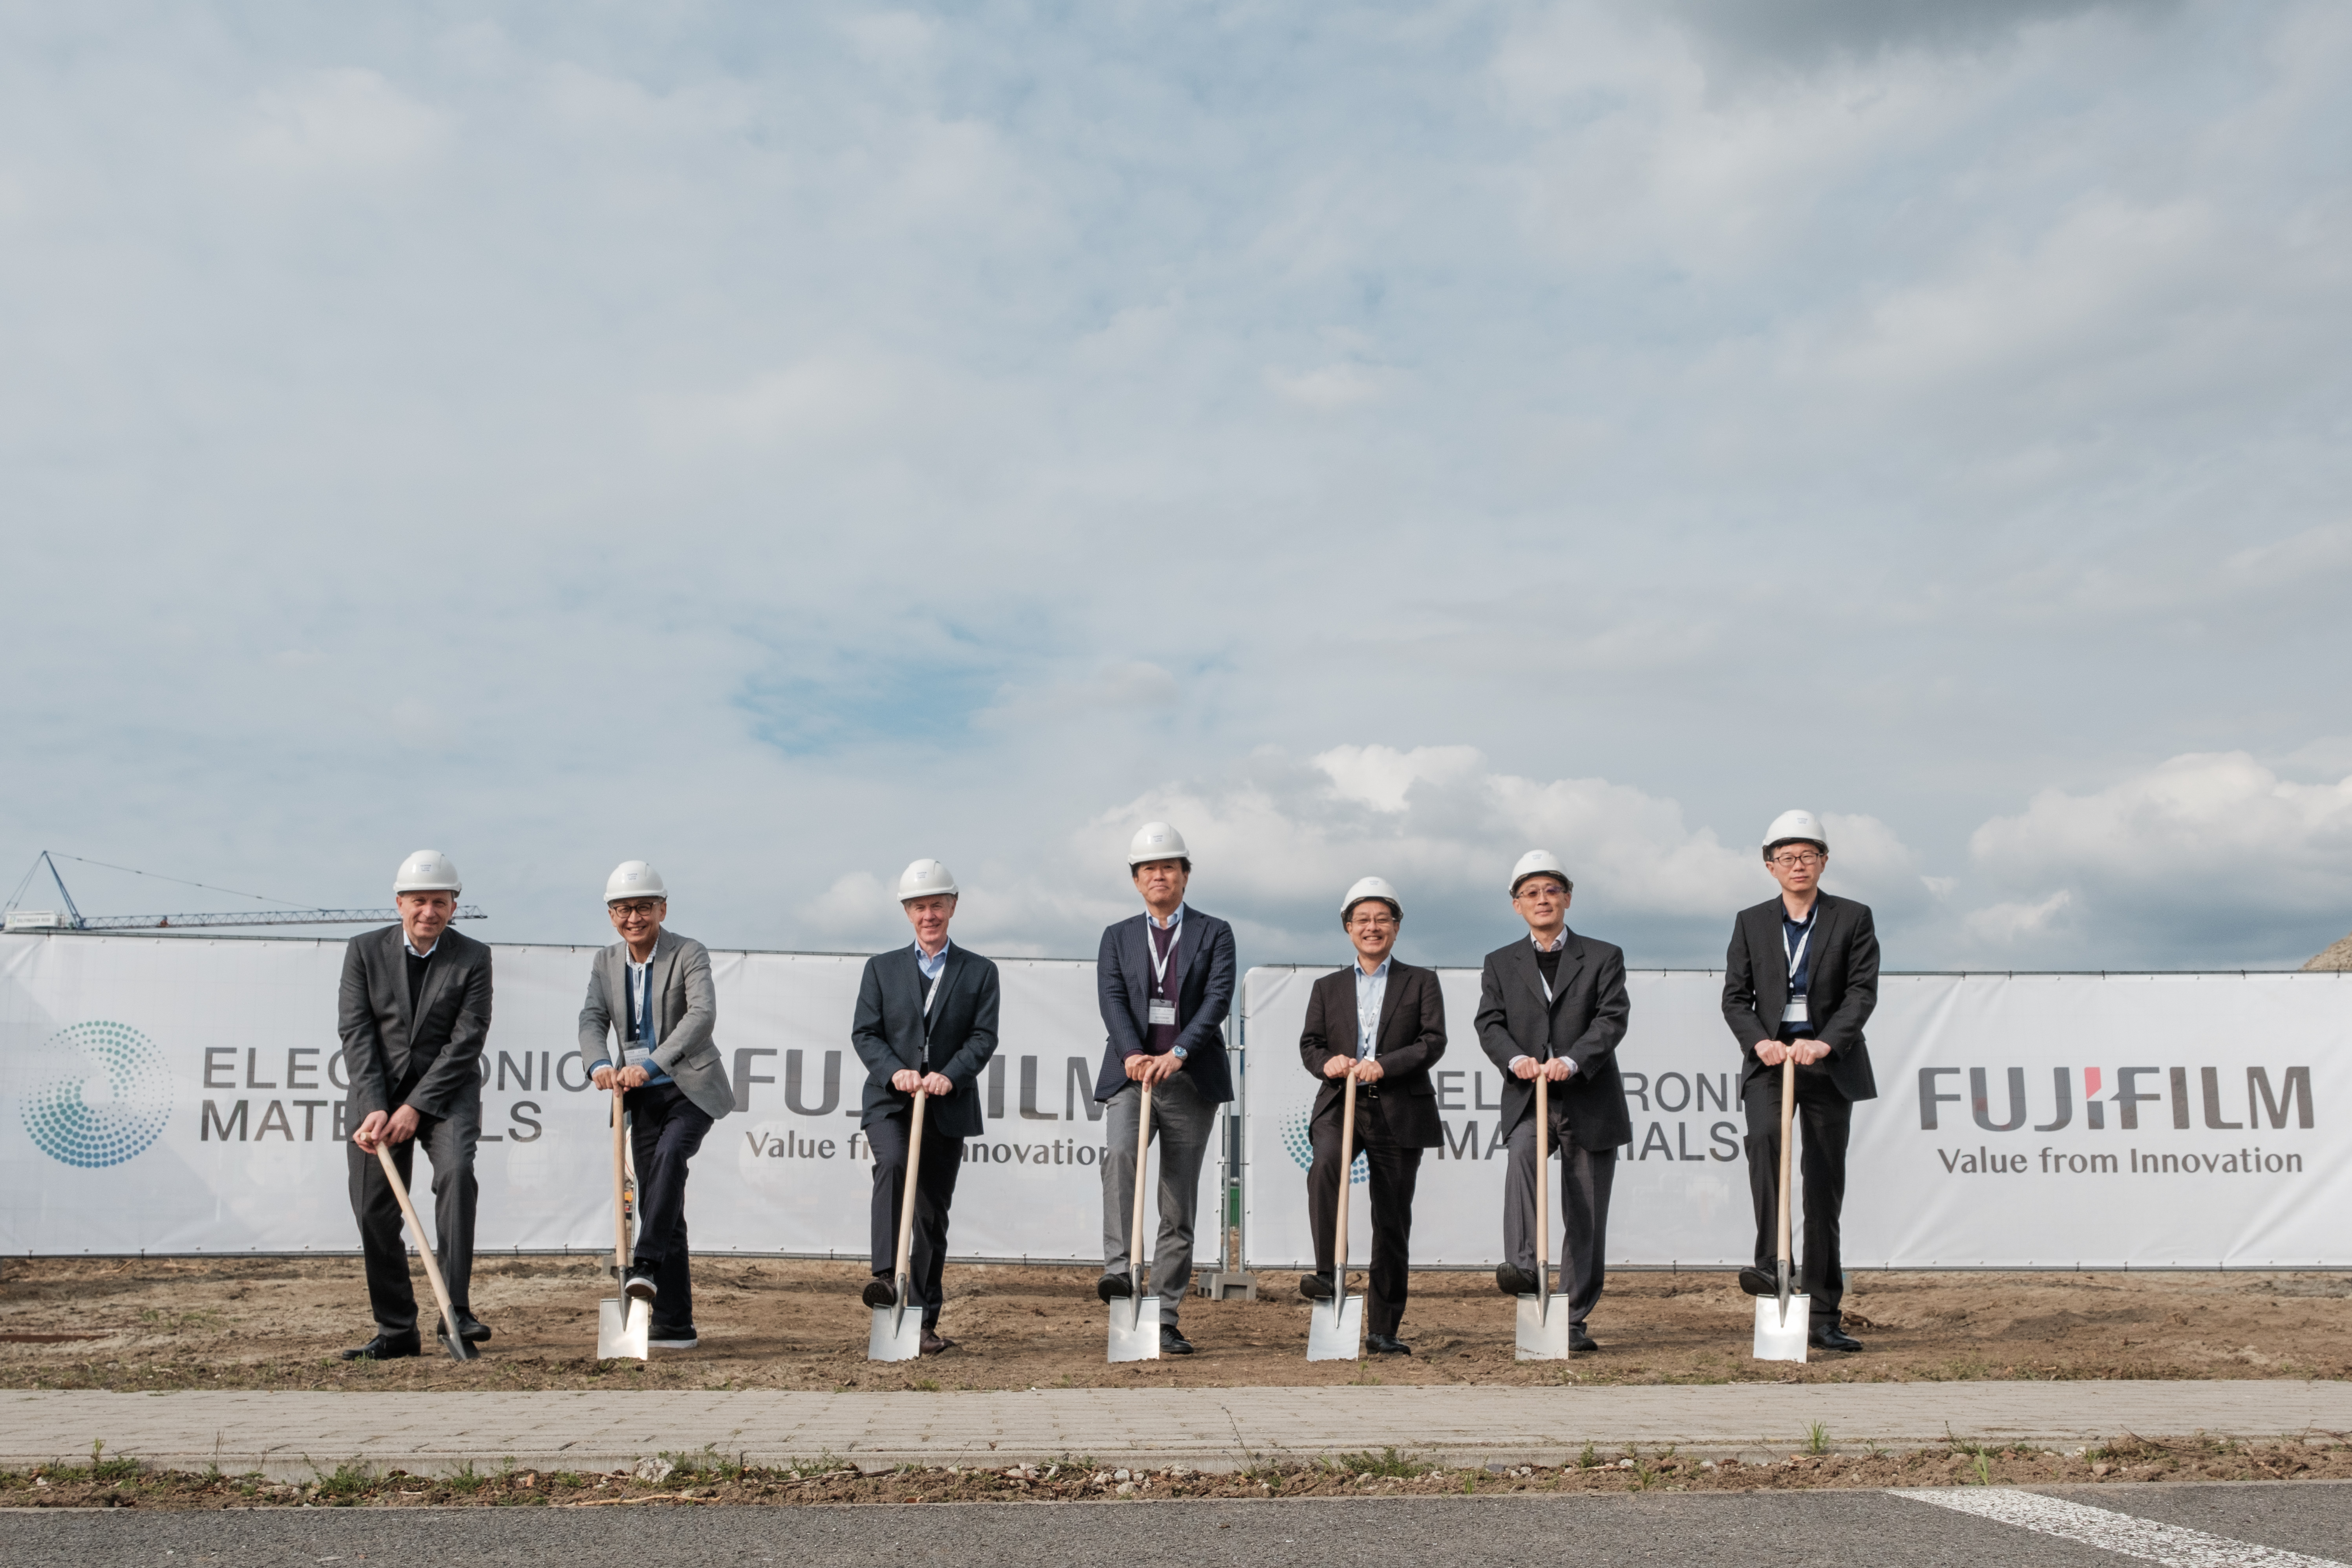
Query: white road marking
{"points": [[2172, 1544]]}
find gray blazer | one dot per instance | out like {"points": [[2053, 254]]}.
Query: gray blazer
{"points": [[431, 1057], [685, 1011]]}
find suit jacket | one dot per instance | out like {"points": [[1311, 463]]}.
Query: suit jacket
{"points": [[686, 1009], [1402, 1108], [1203, 969], [890, 1035], [1841, 987], [1583, 1022], [430, 1057]]}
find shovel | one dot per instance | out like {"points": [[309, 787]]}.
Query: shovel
{"points": [[459, 1349], [1543, 1333], [623, 1325], [1339, 1334], [1778, 1339], [895, 1335], [1134, 1328]]}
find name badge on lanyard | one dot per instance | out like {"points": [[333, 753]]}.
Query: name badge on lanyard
{"points": [[1795, 1011], [639, 1052], [1162, 1012]]}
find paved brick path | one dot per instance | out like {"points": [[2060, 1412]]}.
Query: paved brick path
{"points": [[1210, 1429]]}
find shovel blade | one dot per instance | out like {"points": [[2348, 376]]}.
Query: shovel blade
{"points": [[621, 1328], [1543, 1328], [1781, 1337], [1135, 1329], [1340, 1339], [897, 1335]]}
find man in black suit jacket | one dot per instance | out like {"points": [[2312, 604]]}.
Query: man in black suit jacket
{"points": [[414, 1014], [1554, 1006], [926, 1019], [1164, 980], [1383, 1023], [1809, 962]]}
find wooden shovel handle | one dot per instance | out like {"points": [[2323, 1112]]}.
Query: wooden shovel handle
{"points": [[620, 1185], [1543, 1176], [1788, 1130], [907, 1194], [1346, 1171], [1142, 1163], [424, 1250]]}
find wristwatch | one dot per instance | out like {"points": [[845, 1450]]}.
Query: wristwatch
{"points": [[1178, 1052]]}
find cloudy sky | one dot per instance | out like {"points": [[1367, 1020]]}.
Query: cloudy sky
{"points": [[783, 441]]}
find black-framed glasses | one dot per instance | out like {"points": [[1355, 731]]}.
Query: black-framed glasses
{"points": [[1793, 858], [635, 908]]}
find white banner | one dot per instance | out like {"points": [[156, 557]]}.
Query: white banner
{"points": [[2025, 1121], [179, 1094]]}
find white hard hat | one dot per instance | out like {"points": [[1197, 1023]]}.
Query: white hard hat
{"points": [[427, 871], [1539, 862], [633, 879], [1156, 841], [1800, 825], [926, 879], [1370, 888]]}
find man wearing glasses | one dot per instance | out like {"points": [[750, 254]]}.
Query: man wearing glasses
{"points": [[1384, 1021], [653, 989], [1554, 1006], [1799, 982]]}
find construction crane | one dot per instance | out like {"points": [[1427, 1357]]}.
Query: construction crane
{"points": [[70, 918]]}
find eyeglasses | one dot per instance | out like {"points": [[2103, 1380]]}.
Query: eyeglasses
{"points": [[1793, 858], [1375, 922], [637, 909]]}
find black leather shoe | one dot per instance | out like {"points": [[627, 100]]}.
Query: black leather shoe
{"points": [[1512, 1281], [640, 1284], [1577, 1340], [1760, 1282], [932, 1344], [1386, 1344], [470, 1329], [1113, 1286], [384, 1347], [880, 1293], [1833, 1340], [1314, 1287], [1173, 1343]]}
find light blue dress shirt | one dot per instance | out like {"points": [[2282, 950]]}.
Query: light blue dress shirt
{"points": [[1371, 991]]}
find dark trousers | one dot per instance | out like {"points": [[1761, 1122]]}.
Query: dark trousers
{"points": [[935, 1185], [664, 1130], [449, 1143], [1586, 1178], [1394, 1172], [1826, 1117]]}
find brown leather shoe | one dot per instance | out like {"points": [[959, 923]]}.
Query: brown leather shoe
{"points": [[933, 1344]]}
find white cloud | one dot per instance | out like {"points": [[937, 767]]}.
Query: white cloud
{"points": [[342, 122], [2008, 925], [1333, 386]]}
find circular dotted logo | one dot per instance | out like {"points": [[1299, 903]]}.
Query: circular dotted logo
{"points": [[1300, 1146], [103, 1098]]}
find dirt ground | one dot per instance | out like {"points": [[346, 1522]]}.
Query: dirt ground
{"points": [[277, 1322], [691, 1480]]}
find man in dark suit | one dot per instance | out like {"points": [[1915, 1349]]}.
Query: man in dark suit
{"points": [[1384, 1022], [414, 1014], [653, 989], [1554, 1007], [1165, 981], [1808, 962], [926, 1019]]}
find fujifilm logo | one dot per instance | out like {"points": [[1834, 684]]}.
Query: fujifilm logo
{"points": [[2266, 1103]]}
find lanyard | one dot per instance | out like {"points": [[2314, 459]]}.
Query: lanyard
{"points": [[1367, 1022], [1796, 955], [1159, 961]]}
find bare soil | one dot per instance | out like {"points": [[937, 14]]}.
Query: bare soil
{"points": [[690, 1480], [267, 1322]]}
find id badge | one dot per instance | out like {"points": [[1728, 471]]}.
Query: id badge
{"points": [[636, 1053], [1795, 1013], [1163, 1013]]}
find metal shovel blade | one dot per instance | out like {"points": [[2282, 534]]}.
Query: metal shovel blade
{"points": [[1543, 1328], [1337, 1336], [621, 1328], [1135, 1329], [1780, 1337], [898, 1331]]}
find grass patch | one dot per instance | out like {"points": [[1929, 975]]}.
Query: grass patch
{"points": [[1817, 1438], [351, 1479], [1387, 1462]]}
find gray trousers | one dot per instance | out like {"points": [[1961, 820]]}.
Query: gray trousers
{"points": [[449, 1143], [1583, 1214], [1183, 1123]]}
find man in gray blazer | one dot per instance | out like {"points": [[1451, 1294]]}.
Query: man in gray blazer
{"points": [[1554, 1006], [414, 1014], [1800, 979], [926, 1019], [652, 988]]}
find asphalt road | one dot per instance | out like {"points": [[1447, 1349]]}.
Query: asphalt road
{"points": [[2313, 1518]]}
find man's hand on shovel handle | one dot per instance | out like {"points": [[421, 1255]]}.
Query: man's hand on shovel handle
{"points": [[377, 1128], [906, 1080]]}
